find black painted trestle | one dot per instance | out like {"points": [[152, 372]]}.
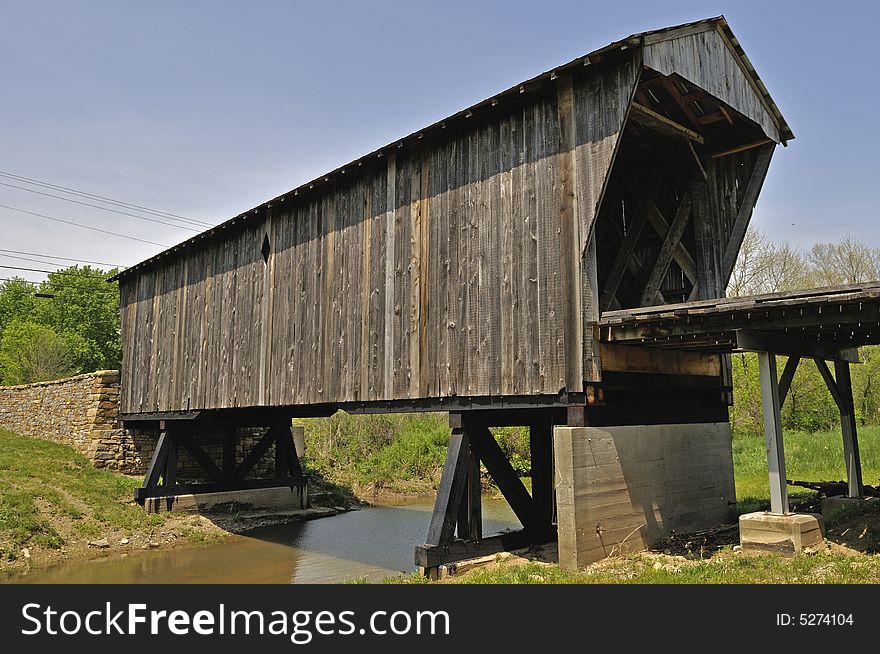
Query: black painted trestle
{"points": [[455, 532], [161, 477]]}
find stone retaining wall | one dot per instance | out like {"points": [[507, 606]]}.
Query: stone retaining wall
{"points": [[80, 411], [83, 412]]}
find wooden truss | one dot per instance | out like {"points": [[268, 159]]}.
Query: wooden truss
{"points": [[455, 532], [161, 477]]}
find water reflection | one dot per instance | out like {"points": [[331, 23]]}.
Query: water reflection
{"points": [[374, 543]]}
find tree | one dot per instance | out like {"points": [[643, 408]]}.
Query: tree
{"points": [[86, 309], [16, 301], [82, 313], [766, 267], [30, 352], [846, 262]]}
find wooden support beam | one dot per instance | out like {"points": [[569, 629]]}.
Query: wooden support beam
{"points": [[726, 113], [625, 252], [169, 477], [283, 445], [667, 250], [711, 119], [787, 377], [677, 96], [773, 433], [744, 212], [212, 487], [432, 556], [831, 384], [470, 510], [743, 148], [514, 417], [255, 454], [453, 481], [634, 358], [571, 249], [705, 227], [229, 441], [157, 462], [199, 456], [490, 453], [697, 162], [576, 416], [849, 430], [653, 120], [541, 453], [753, 340], [681, 255], [294, 467]]}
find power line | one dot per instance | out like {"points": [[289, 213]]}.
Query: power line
{"points": [[109, 289], [52, 256], [15, 256], [75, 224], [95, 206], [54, 272], [102, 198]]}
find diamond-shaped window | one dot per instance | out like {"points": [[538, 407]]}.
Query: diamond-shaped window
{"points": [[266, 249]]}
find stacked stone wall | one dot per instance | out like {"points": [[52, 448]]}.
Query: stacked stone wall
{"points": [[83, 412]]}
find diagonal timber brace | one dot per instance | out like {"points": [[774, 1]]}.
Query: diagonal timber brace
{"points": [[667, 251], [457, 504], [161, 478]]}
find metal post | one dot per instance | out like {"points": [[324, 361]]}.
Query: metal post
{"points": [[773, 432], [848, 429]]}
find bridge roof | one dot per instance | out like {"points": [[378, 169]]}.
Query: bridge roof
{"points": [[638, 40]]}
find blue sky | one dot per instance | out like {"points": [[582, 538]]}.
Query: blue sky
{"points": [[206, 109]]}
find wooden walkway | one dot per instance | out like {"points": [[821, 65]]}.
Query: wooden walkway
{"points": [[839, 317]]}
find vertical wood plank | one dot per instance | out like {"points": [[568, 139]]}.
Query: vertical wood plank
{"points": [[390, 233], [570, 251]]}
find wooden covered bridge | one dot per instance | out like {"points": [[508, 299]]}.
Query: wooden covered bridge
{"points": [[505, 265]]}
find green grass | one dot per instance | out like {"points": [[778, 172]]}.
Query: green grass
{"points": [[808, 457], [44, 485], [639, 569]]}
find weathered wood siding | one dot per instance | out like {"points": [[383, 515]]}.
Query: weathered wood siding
{"points": [[706, 60], [437, 271]]}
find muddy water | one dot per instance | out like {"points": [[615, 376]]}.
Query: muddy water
{"points": [[374, 542]]}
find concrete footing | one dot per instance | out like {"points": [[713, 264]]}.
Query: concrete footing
{"points": [[272, 499], [773, 532], [833, 506]]}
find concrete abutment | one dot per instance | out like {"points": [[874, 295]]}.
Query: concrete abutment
{"points": [[620, 489]]}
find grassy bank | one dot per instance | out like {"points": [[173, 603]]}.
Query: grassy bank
{"points": [[721, 569], [53, 502]]}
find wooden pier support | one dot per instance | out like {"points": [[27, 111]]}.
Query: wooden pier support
{"points": [[541, 449], [455, 532], [161, 478]]}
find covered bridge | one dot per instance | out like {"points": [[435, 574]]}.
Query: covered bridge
{"points": [[467, 268]]}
